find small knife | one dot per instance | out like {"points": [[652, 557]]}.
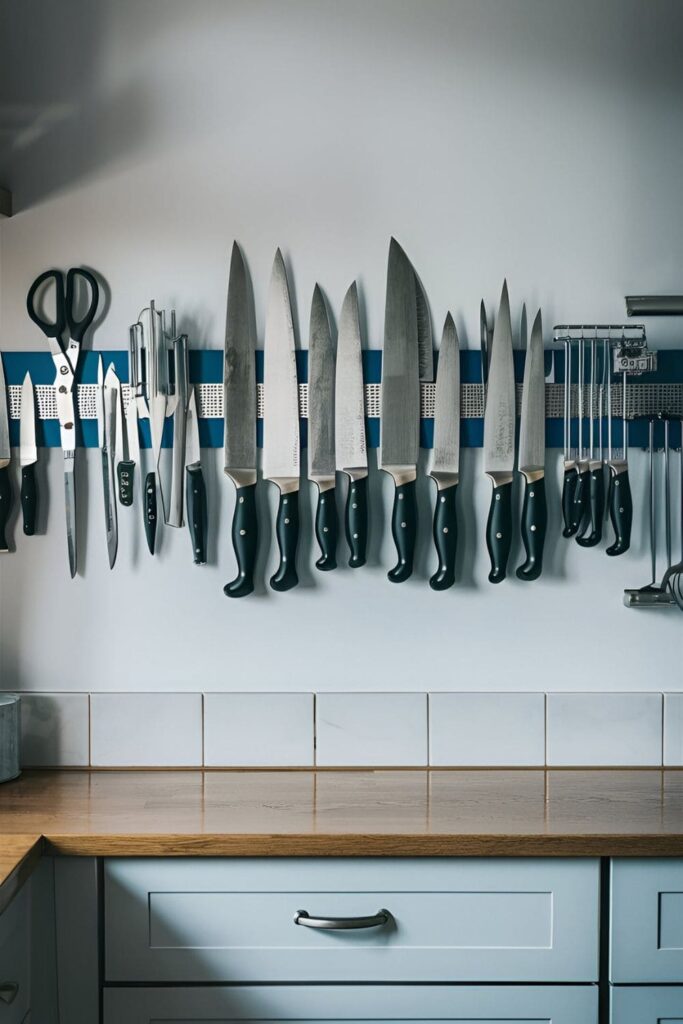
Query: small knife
{"points": [[321, 459], [532, 456], [195, 490], [400, 438], [445, 465], [499, 441], [349, 430], [28, 456], [5, 456], [125, 466], [107, 401], [281, 453]]}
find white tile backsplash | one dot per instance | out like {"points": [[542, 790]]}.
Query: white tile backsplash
{"points": [[146, 730], [673, 730], [487, 729], [604, 729], [55, 730], [258, 730], [371, 729]]}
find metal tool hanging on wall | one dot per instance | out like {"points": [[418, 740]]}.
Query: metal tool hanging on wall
{"points": [[445, 458], [351, 453], [532, 456], [321, 450], [107, 398], [28, 456]]}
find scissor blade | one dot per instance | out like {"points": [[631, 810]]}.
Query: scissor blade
{"points": [[28, 452], [70, 505]]}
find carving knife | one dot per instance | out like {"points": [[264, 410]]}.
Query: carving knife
{"points": [[281, 455], [195, 490], [321, 456], [106, 402], [499, 441], [400, 436], [239, 400], [5, 456], [532, 456], [28, 456], [445, 463], [350, 442]]}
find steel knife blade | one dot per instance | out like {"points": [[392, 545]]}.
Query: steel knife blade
{"points": [[445, 462], [110, 402], [5, 456], [350, 441], [532, 456], [400, 432], [424, 332], [321, 449], [281, 455], [195, 489], [499, 440], [174, 512], [239, 402], [484, 339], [28, 456], [523, 329]]}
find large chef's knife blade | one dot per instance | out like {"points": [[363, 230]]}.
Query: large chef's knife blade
{"points": [[195, 490], [532, 456], [499, 440], [424, 332], [350, 442], [321, 463], [28, 456], [110, 404], [445, 463], [5, 456], [281, 455], [400, 438], [239, 400]]}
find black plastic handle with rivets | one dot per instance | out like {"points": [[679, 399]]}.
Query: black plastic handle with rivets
{"points": [[620, 509], [356, 521], [29, 498], [125, 474], [326, 530], [150, 510], [534, 524], [404, 531], [5, 506], [287, 532], [244, 542], [571, 479], [596, 501], [445, 538], [197, 511], [499, 531]]}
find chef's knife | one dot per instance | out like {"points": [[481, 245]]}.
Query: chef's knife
{"points": [[281, 455], [28, 456], [239, 400], [400, 437], [499, 441], [5, 456], [424, 332], [350, 442], [108, 400], [445, 464], [195, 490], [532, 456], [321, 461]]}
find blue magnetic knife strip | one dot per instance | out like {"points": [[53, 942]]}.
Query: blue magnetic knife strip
{"points": [[206, 367]]}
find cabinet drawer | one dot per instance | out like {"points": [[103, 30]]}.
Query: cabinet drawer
{"points": [[647, 1005], [471, 1004], [647, 921], [14, 957], [469, 920]]}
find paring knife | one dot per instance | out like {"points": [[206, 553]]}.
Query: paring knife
{"points": [[107, 399], [28, 456], [499, 441], [532, 456], [5, 456], [400, 431], [195, 490], [445, 462], [281, 454], [239, 400], [321, 455], [125, 466], [350, 442]]}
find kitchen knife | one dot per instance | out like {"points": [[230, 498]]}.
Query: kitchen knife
{"points": [[281, 455], [28, 456], [107, 407], [5, 456], [484, 339], [321, 460], [195, 490], [445, 463], [523, 329], [125, 466], [424, 332], [532, 456], [499, 441], [177, 404], [239, 400], [400, 432], [350, 442]]}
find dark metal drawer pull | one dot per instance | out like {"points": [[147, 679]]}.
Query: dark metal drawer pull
{"points": [[8, 991], [339, 923]]}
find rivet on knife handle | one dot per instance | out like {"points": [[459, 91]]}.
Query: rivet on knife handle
{"points": [[197, 512], [356, 521], [596, 500], [29, 498], [569, 484], [499, 531], [534, 523], [404, 531], [580, 505], [244, 542], [150, 510], [287, 532], [445, 538], [326, 530], [5, 506], [125, 472], [620, 511]]}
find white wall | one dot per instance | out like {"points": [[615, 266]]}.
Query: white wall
{"points": [[529, 138]]}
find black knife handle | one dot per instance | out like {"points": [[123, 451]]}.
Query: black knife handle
{"points": [[326, 530], [580, 506], [620, 511], [499, 531], [445, 538], [125, 473], [244, 542], [534, 524], [404, 531], [356, 521], [287, 532], [29, 498], [5, 506], [596, 501], [150, 510], [571, 478], [197, 512]]}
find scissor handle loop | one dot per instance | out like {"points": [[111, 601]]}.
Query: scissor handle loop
{"points": [[77, 328], [50, 330]]}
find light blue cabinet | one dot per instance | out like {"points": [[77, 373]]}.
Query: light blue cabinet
{"points": [[647, 1005], [646, 922]]}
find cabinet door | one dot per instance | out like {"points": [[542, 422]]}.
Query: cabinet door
{"points": [[333, 1004], [662, 1005], [15, 959], [646, 930]]}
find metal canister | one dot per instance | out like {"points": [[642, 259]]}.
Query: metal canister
{"points": [[10, 733]]}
